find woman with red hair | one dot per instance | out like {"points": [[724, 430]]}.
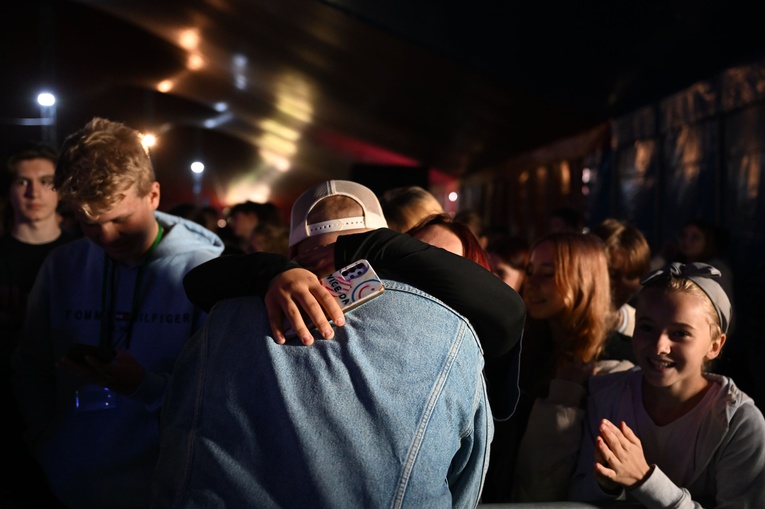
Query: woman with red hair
{"points": [[441, 230]]}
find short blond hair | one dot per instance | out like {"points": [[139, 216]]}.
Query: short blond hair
{"points": [[99, 163], [406, 206]]}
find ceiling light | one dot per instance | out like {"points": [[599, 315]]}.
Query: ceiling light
{"points": [[46, 99]]}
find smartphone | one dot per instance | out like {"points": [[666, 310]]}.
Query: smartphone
{"points": [[78, 351], [351, 286]]}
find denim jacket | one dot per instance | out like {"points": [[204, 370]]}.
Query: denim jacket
{"points": [[392, 412]]}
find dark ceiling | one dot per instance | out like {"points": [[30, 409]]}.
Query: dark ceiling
{"points": [[274, 95]]}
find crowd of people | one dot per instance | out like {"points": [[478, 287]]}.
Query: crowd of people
{"points": [[220, 372]]}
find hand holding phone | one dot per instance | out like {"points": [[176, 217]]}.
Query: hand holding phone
{"points": [[350, 286], [354, 284]]}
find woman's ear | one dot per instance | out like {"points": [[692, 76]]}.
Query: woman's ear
{"points": [[716, 347]]}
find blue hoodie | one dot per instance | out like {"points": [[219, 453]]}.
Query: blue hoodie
{"points": [[105, 458]]}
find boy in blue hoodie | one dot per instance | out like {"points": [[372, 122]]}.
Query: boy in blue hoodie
{"points": [[92, 423]]}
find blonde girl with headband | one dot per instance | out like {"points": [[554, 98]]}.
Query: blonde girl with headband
{"points": [[668, 433]]}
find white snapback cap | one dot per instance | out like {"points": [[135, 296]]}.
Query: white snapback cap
{"points": [[373, 217]]}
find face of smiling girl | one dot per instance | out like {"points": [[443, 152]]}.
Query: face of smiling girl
{"points": [[673, 340], [540, 293]]}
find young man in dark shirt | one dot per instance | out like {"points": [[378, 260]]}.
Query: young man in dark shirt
{"points": [[34, 230]]}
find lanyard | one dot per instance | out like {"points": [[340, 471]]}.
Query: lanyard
{"points": [[108, 287]]}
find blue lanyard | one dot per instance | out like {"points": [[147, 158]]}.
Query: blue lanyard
{"points": [[108, 287]]}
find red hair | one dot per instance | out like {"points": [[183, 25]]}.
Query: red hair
{"points": [[471, 247]]}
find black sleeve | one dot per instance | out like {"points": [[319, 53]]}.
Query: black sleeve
{"points": [[494, 309], [231, 276]]}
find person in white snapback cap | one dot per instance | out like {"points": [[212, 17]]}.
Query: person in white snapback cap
{"points": [[342, 207], [371, 218], [392, 412]]}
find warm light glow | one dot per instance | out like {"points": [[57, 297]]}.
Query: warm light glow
{"points": [[189, 39], [277, 161], [148, 140], [197, 167], [279, 129], [565, 177], [277, 144], [586, 175], [46, 99], [195, 62], [643, 155], [750, 166], [294, 97], [222, 223], [165, 86], [295, 107], [248, 191], [252, 183], [453, 196]]}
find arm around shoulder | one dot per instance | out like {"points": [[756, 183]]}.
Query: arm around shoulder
{"points": [[496, 311], [233, 276]]}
